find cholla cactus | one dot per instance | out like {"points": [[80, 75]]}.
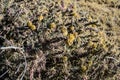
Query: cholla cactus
{"points": [[63, 39]]}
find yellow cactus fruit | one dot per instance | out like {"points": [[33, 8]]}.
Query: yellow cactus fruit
{"points": [[70, 39], [65, 58], [72, 28], [40, 18], [90, 63], [84, 68], [33, 27], [53, 25], [64, 31], [29, 23], [90, 43], [76, 15]]}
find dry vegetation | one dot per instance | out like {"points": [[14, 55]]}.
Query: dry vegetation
{"points": [[60, 39]]}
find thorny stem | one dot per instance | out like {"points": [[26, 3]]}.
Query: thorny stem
{"points": [[24, 71], [4, 73], [22, 52], [11, 47], [113, 59]]}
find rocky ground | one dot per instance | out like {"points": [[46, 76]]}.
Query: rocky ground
{"points": [[60, 39]]}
